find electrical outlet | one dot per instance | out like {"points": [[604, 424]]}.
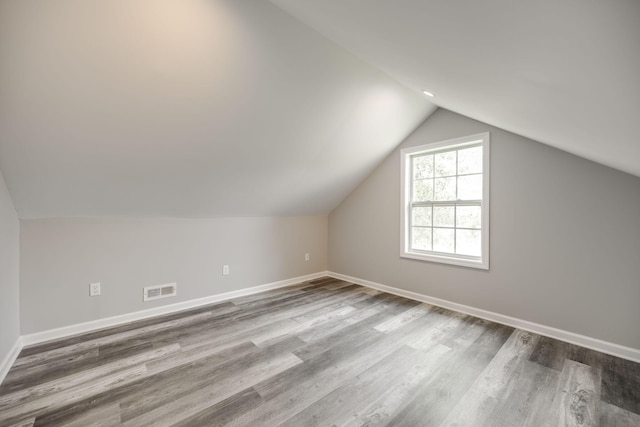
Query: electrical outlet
{"points": [[306, 257], [225, 270], [94, 289]]}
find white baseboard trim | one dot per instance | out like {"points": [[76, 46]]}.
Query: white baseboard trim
{"points": [[621, 351], [81, 328], [11, 357]]}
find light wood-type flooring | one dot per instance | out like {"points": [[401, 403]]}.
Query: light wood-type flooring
{"points": [[324, 352]]}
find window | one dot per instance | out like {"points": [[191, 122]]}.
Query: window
{"points": [[445, 202]]}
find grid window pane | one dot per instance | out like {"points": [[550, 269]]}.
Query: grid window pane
{"points": [[468, 216], [421, 238], [445, 212], [470, 160], [468, 242], [443, 216], [445, 164], [445, 189], [423, 190], [423, 167], [443, 240], [422, 216], [470, 187]]}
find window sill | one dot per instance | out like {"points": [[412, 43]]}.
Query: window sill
{"points": [[461, 262]]}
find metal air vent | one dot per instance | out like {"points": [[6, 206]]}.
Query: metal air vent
{"points": [[160, 291]]}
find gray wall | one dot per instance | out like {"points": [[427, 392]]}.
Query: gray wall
{"points": [[59, 258], [565, 237], [9, 270]]}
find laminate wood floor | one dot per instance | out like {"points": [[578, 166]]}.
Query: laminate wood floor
{"points": [[324, 352]]}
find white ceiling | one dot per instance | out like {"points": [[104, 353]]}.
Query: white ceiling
{"points": [[565, 73], [194, 108], [201, 108]]}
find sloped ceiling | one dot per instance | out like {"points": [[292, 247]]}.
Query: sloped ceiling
{"points": [[565, 73], [196, 108]]}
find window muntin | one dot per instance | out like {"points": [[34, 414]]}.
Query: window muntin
{"points": [[445, 201]]}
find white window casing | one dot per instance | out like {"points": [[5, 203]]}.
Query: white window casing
{"points": [[445, 201]]}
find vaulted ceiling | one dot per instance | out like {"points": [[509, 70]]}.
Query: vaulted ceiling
{"points": [[200, 108], [186, 108], [565, 73]]}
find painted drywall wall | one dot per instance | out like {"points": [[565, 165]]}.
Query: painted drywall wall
{"points": [[9, 273], [564, 244], [59, 258]]}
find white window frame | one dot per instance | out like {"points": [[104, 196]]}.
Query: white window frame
{"points": [[481, 262]]}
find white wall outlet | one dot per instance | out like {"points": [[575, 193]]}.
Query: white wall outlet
{"points": [[306, 257], [94, 289], [225, 270]]}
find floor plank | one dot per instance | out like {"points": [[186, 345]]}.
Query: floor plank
{"points": [[613, 416], [494, 383], [577, 396], [437, 397], [323, 352]]}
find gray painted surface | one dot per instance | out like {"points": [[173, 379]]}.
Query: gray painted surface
{"points": [[565, 237], [186, 109], [9, 272], [59, 258]]}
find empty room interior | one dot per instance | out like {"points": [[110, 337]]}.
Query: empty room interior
{"points": [[319, 212]]}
